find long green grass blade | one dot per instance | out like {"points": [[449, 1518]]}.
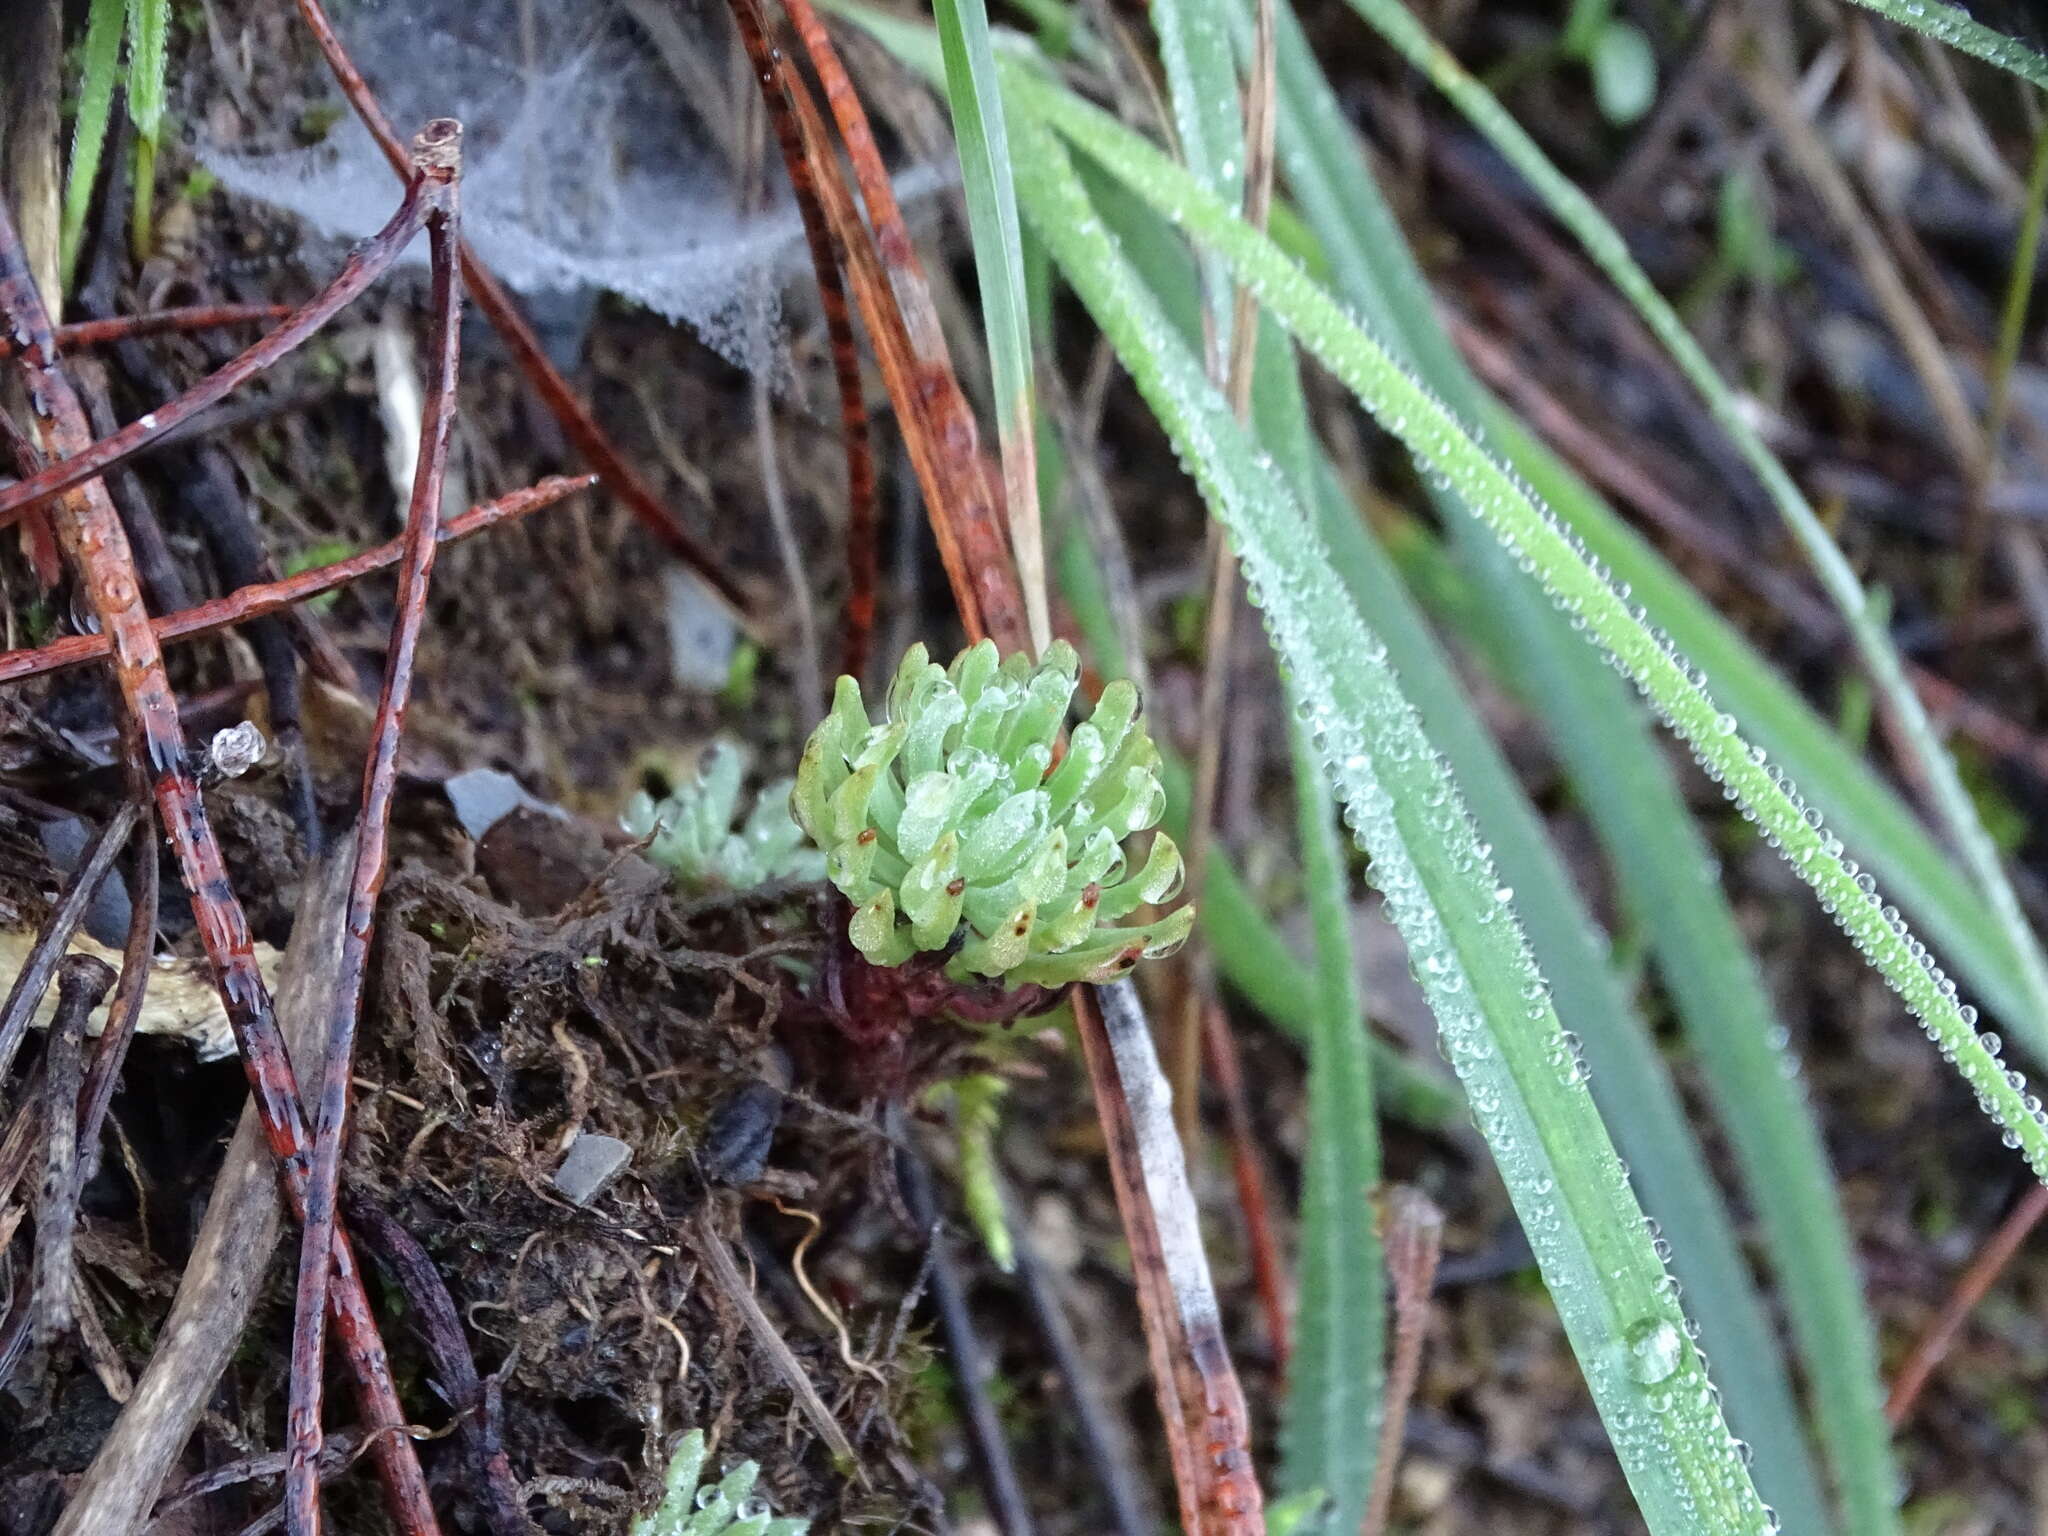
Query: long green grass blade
{"points": [[979, 135], [1636, 1097], [1951, 24], [1582, 587], [1875, 824], [89, 128], [1330, 1418], [1667, 875], [1604, 244], [1208, 128], [1524, 1083], [1330, 1422]]}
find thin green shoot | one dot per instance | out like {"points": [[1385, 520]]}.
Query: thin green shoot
{"points": [[978, 133], [1951, 24]]}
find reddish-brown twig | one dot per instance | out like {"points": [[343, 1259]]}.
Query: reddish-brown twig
{"points": [[961, 488], [438, 154], [366, 263], [99, 550], [938, 427], [255, 602], [1932, 1347], [1207, 1430], [1248, 1166], [157, 322], [1413, 1237], [1200, 1399], [489, 295]]}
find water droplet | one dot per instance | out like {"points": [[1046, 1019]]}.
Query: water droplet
{"points": [[1655, 1350]]}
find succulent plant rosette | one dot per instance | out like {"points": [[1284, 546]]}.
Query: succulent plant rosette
{"points": [[985, 865]]}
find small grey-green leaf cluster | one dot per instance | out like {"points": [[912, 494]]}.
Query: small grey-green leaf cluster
{"points": [[727, 1507], [951, 819], [691, 833]]}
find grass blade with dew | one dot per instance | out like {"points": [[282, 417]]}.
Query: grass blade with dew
{"points": [[1201, 85], [1951, 24], [1605, 246], [1575, 580], [1526, 1090], [101, 66], [983, 146], [1251, 954], [1336, 1388], [148, 43], [1630, 1083], [1667, 874], [1330, 1419]]}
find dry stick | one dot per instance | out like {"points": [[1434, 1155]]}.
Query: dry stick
{"points": [[97, 547], [155, 322], [794, 113], [1933, 1345], [489, 295], [81, 982], [1414, 1242], [1254, 1184], [34, 977], [961, 491], [438, 154], [224, 1275], [88, 460], [1207, 1431], [433, 1313], [1184, 1052], [1005, 1494], [125, 1012], [255, 602], [200, 480], [711, 1247], [42, 1311]]}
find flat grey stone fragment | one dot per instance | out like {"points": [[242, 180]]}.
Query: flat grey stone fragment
{"points": [[591, 1163]]}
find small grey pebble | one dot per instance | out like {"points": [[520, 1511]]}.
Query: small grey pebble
{"points": [[591, 1163]]}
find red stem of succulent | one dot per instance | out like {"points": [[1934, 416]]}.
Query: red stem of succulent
{"points": [[489, 295], [98, 548], [91, 459], [265, 598], [438, 154]]}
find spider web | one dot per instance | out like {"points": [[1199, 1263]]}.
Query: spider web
{"points": [[587, 163]]}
